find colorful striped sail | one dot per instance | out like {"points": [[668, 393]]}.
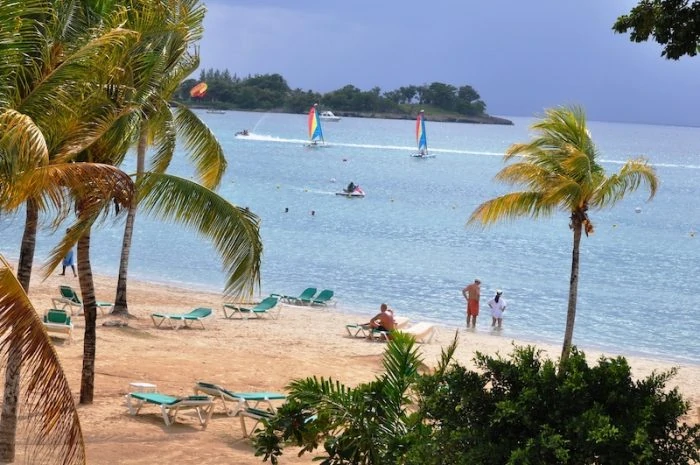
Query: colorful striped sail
{"points": [[315, 131], [421, 140]]}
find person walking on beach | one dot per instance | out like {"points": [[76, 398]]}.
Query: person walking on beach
{"points": [[471, 294], [497, 306], [69, 260]]}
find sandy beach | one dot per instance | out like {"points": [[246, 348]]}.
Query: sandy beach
{"points": [[242, 355]]}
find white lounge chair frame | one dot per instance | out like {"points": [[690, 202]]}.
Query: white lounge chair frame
{"points": [[203, 408]]}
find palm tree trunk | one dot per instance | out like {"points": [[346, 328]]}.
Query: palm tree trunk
{"points": [[120, 302], [87, 288], [8, 417], [577, 226]]}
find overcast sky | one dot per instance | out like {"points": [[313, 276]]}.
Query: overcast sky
{"points": [[521, 56]]}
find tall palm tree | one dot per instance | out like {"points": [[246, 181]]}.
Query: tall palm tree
{"points": [[52, 432], [165, 60], [560, 171], [57, 57]]}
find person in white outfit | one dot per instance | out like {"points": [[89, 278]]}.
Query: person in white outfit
{"points": [[497, 306]]}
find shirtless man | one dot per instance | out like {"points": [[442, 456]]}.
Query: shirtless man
{"points": [[382, 321], [471, 294]]}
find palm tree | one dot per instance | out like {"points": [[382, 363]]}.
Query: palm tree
{"points": [[164, 62], [53, 430], [560, 171], [367, 424], [57, 58]]}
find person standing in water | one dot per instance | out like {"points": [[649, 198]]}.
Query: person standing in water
{"points": [[497, 306], [472, 294]]}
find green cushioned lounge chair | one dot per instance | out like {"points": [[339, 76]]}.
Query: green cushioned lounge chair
{"points": [[171, 405], [268, 306], [182, 320], [306, 295], [240, 400], [58, 321], [70, 299], [323, 298]]}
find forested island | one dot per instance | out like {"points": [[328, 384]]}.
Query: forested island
{"points": [[270, 92]]}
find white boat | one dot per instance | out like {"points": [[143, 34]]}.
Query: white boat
{"points": [[217, 112], [329, 116], [421, 138]]}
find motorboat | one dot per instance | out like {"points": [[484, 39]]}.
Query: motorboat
{"points": [[242, 133], [329, 116], [217, 112]]}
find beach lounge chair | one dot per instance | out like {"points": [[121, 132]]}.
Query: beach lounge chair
{"points": [[257, 415], [323, 299], [422, 332], [363, 329], [58, 321], [170, 405], [241, 400], [306, 295], [268, 306], [70, 299], [181, 320]]}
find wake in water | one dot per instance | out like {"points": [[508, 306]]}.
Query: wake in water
{"points": [[280, 140]]}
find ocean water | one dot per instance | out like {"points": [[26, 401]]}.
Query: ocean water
{"points": [[407, 243]]}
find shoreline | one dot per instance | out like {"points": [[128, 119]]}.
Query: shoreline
{"points": [[242, 355]]}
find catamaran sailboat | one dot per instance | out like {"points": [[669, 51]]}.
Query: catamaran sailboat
{"points": [[315, 130], [421, 139]]}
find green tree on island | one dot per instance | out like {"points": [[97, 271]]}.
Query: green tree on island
{"points": [[559, 170]]}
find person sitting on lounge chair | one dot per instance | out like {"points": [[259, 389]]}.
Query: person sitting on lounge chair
{"points": [[382, 321]]}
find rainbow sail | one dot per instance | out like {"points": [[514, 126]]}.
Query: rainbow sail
{"points": [[315, 131], [420, 134]]}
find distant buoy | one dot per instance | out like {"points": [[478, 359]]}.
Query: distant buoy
{"points": [[614, 226], [345, 159], [638, 210], [306, 190], [278, 186], [332, 179]]}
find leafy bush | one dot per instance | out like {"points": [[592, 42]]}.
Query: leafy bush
{"points": [[521, 411]]}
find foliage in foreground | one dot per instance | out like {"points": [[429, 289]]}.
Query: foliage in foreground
{"points": [[518, 410], [514, 410]]}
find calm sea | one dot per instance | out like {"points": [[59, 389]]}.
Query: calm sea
{"points": [[407, 242]]}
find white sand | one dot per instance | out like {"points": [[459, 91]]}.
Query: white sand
{"points": [[243, 355]]}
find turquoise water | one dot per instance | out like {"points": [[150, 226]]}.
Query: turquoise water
{"points": [[407, 243]]}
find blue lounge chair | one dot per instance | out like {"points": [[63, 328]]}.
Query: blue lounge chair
{"points": [[306, 295], [170, 405], [181, 320], [268, 306]]}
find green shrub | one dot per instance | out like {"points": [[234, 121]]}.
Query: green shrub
{"points": [[521, 411]]}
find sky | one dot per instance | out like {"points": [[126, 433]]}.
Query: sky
{"points": [[521, 56]]}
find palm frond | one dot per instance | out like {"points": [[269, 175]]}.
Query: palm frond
{"points": [[233, 230], [202, 145], [632, 175], [511, 206], [165, 139], [51, 427], [401, 362]]}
